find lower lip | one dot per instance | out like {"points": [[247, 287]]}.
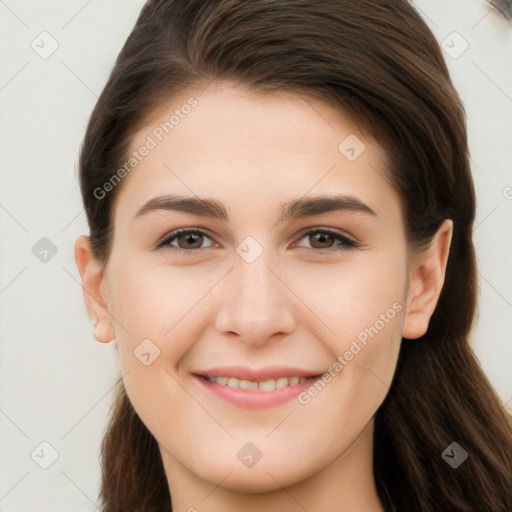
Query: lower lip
{"points": [[251, 399]]}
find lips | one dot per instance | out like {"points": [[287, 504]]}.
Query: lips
{"points": [[255, 389], [265, 385], [258, 375]]}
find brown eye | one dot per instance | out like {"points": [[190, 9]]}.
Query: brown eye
{"points": [[186, 239], [326, 239], [190, 240], [322, 240]]}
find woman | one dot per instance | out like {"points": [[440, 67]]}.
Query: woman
{"points": [[311, 350]]}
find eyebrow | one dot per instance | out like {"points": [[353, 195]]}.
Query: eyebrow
{"points": [[294, 209]]}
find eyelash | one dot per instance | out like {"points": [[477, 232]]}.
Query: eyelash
{"points": [[346, 243]]}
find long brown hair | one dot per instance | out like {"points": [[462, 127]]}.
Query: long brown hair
{"points": [[377, 61]]}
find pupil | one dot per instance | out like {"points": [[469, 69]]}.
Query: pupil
{"points": [[190, 238], [323, 237]]}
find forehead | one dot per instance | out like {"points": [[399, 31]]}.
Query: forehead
{"points": [[253, 150]]}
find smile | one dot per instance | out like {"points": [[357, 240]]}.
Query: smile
{"points": [[265, 385], [256, 389]]}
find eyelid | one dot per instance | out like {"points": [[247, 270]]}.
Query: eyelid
{"points": [[348, 241], [163, 241]]}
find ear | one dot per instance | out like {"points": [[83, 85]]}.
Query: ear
{"points": [[94, 290], [426, 279]]}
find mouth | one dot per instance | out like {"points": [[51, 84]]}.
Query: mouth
{"points": [[255, 389], [264, 385]]}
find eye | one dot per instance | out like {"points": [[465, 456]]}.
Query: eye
{"points": [[329, 240], [186, 239]]}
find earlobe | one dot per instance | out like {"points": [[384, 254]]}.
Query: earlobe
{"points": [[94, 290], [426, 281]]}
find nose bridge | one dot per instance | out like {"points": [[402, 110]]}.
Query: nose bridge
{"points": [[255, 302]]}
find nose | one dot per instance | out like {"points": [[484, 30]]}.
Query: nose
{"points": [[255, 302]]}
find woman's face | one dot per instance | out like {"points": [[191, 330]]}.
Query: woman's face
{"points": [[275, 285]]}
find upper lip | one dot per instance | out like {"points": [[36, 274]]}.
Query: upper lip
{"points": [[256, 375]]}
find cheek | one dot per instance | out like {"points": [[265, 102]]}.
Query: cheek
{"points": [[151, 301], [363, 306], [160, 312], [353, 296], [153, 331]]}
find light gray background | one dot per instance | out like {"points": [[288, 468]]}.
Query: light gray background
{"points": [[56, 380]]}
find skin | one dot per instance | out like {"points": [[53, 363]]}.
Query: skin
{"points": [[295, 305]]}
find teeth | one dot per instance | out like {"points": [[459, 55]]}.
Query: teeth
{"points": [[247, 384], [233, 382], [266, 385], [281, 383]]}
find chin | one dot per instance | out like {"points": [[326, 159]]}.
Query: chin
{"points": [[263, 477], [247, 481]]}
